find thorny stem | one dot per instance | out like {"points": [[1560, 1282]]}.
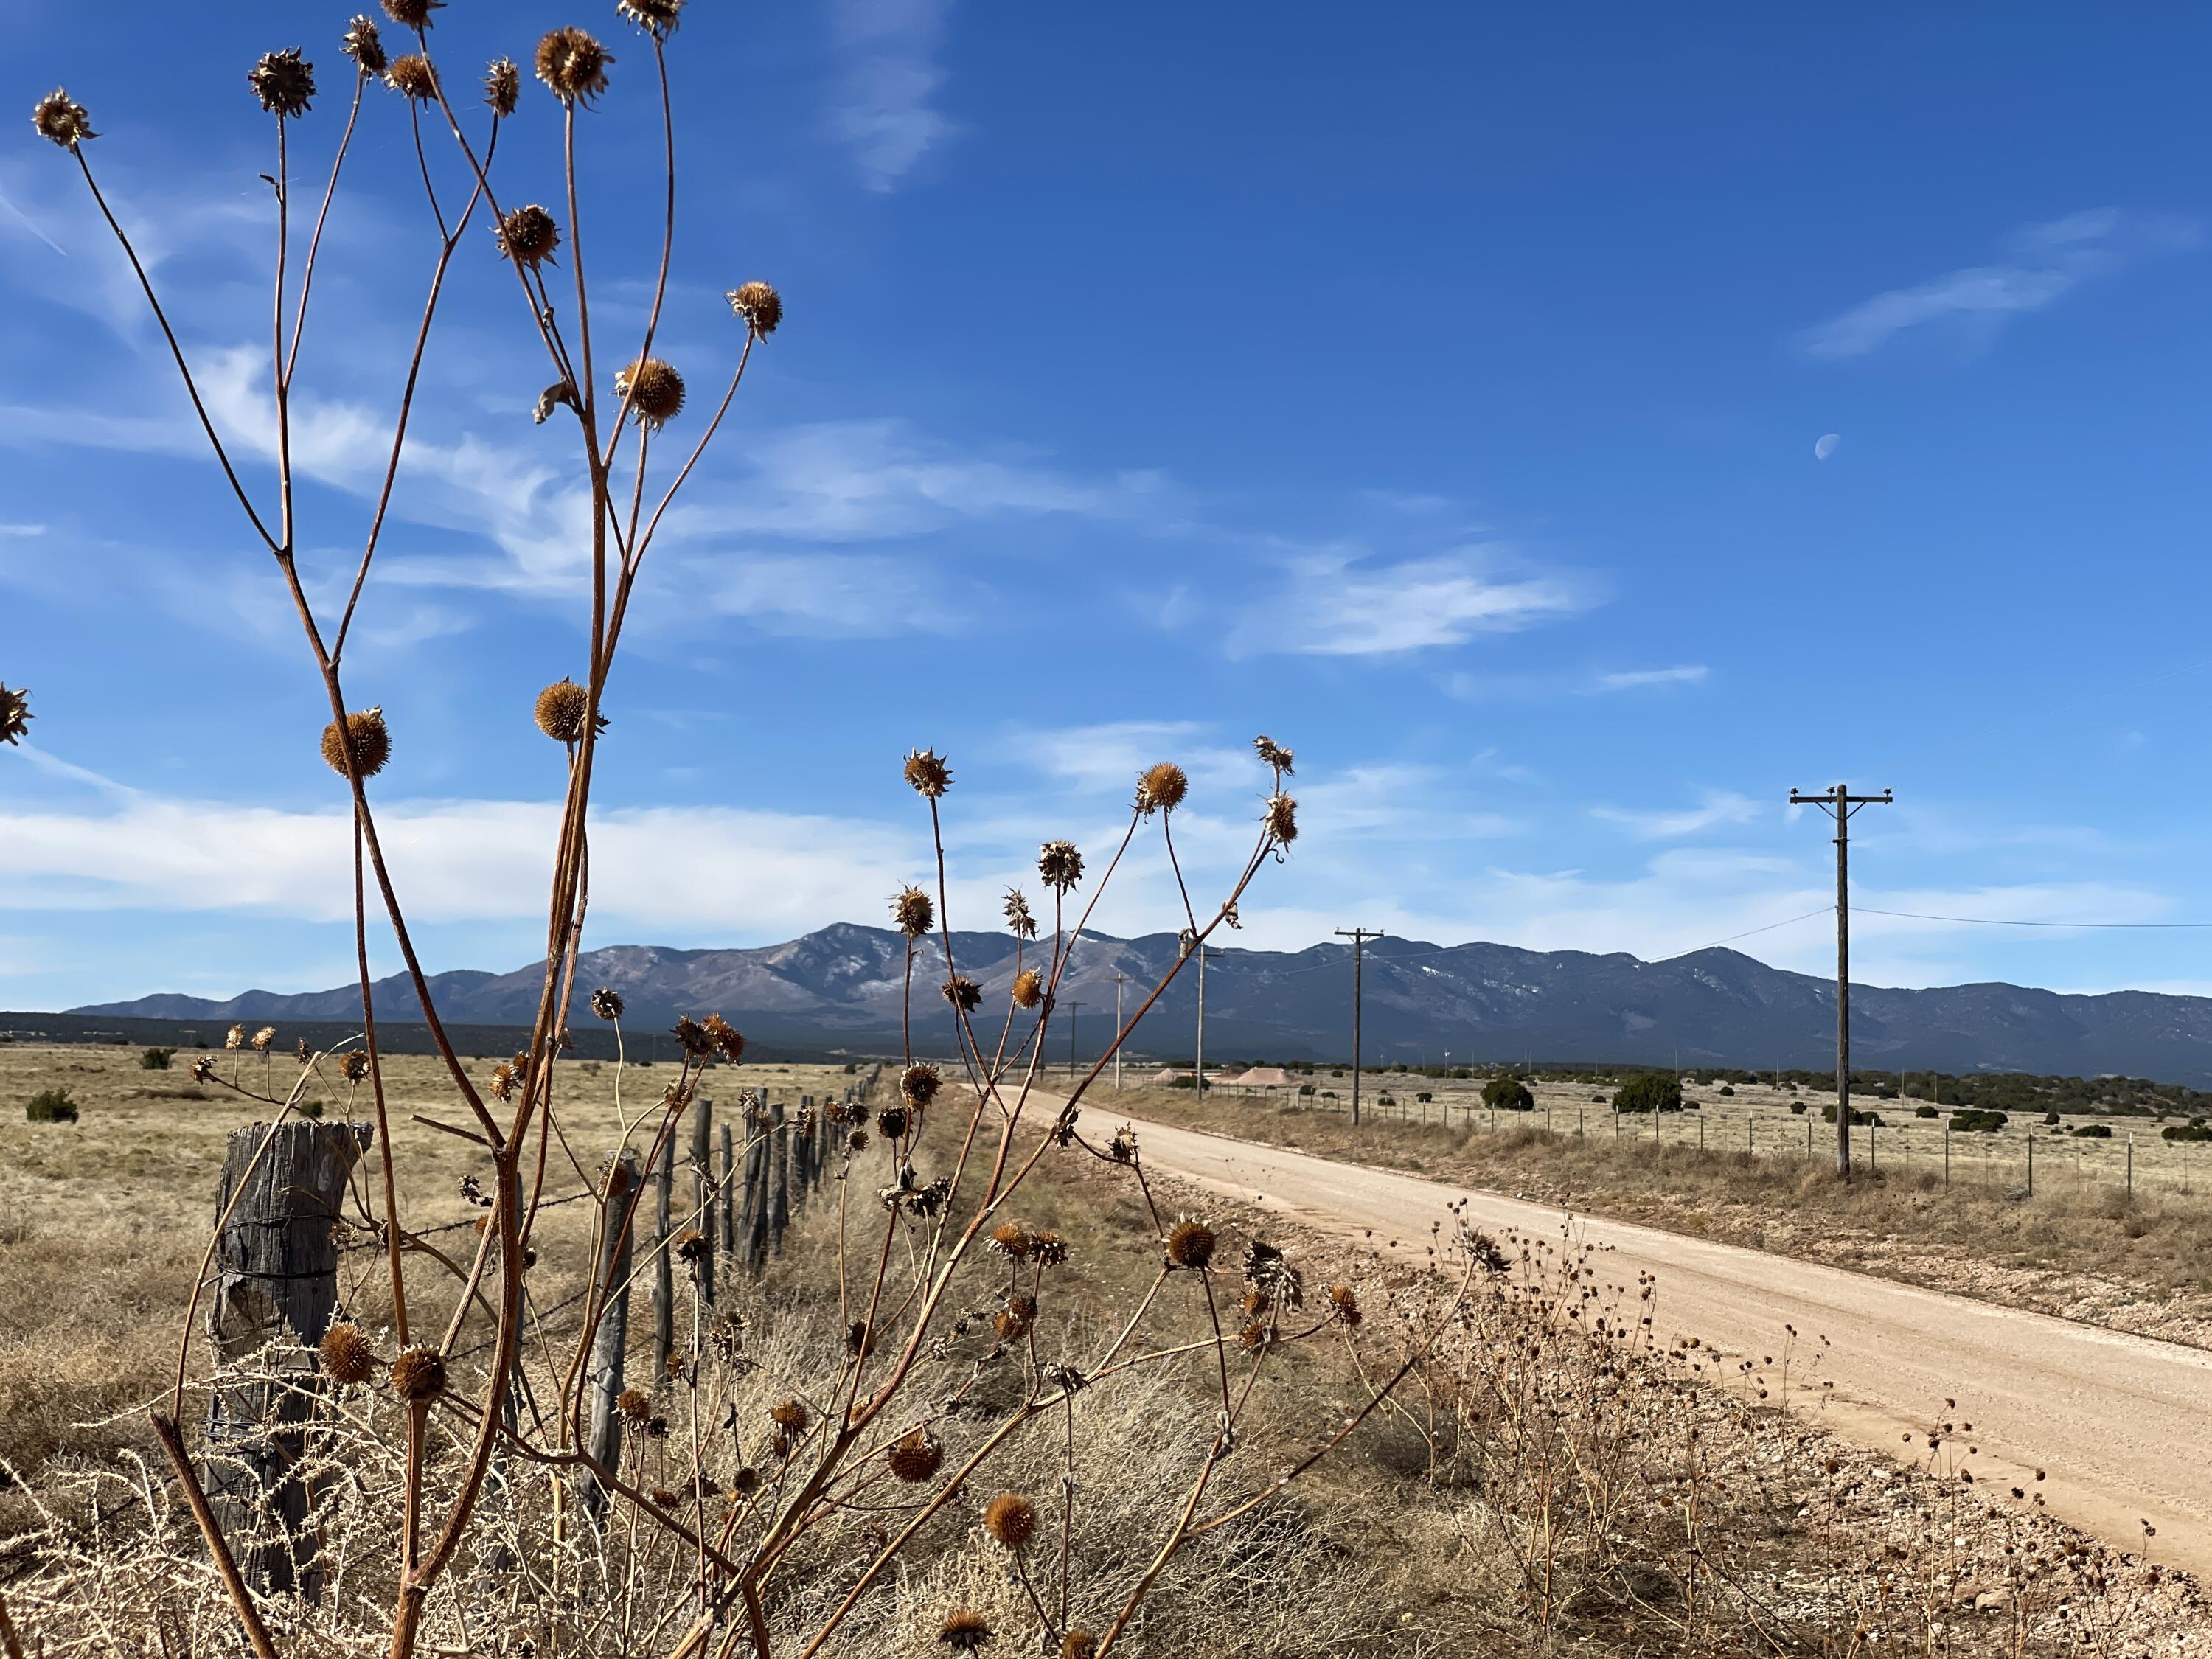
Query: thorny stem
{"points": [[376, 1091]]}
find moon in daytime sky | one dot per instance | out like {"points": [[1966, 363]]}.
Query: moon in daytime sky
{"points": [[1827, 444]]}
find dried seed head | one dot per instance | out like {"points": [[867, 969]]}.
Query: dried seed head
{"points": [[657, 18], [860, 1340], [574, 65], [634, 1404], [1011, 1238], [411, 76], [607, 1002], [693, 1246], [1273, 754], [761, 307], [892, 1122], [927, 773], [355, 1066], [361, 42], [1018, 918], [503, 86], [1061, 865], [919, 1084], [263, 1038], [347, 1357], [1190, 1243], [63, 122], [284, 81], [964, 1629], [503, 1079], [1078, 1643], [728, 1041], [1029, 988], [530, 235], [419, 1375], [367, 736], [790, 1415], [963, 993], [1344, 1301], [1010, 1518], [1047, 1248], [1017, 1317], [662, 1498], [412, 14], [234, 1037], [915, 1457], [913, 912], [564, 709], [15, 716], [1162, 788], [857, 1141], [692, 1036], [654, 389], [1282, 818]]}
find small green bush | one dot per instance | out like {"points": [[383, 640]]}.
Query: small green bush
{"points": [[1508, 1094], [1828, 1116], [309, 1109], [1305, 1088], [1978, 1120], [1424, 1096], [1728, 1092], [51, 1106], [1797, 1108], [155, 1059], [1925, 1111], [2185, 1132], [2051, 1119], [1650, 1092], [2092, 1131]]}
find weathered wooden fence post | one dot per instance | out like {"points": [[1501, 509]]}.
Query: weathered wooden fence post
{"points": [[664, 1275], [611, 1341], [779, 1156], [726, 1196], [759, 1182], [702, 1188], [275, 1285]]}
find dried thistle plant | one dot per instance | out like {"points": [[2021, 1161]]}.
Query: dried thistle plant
{"points": [[715, 1506]]}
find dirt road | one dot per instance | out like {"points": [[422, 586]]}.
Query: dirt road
{"points": [[2121, 1426]]}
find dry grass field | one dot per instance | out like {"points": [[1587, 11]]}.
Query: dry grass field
{"points": [[1737, 1169], [1540, 1486]]}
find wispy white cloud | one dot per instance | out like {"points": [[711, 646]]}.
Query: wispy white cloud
{"points": [[886, 96], [1638, 680], [2046, 262], [1340, 605], [832, 595], [456, 861], [1714, 808]]}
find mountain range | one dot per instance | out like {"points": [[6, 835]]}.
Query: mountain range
{"points": [[839, 988]]}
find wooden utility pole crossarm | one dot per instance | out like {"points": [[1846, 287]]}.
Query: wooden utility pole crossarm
{"points": [[1839, 804]]}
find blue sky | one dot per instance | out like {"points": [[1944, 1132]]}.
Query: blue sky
{"points": [[1447, 392]]}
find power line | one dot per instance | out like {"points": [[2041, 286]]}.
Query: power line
{"points": [[2005, 922]]}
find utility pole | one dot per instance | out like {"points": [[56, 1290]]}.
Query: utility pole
{"points": [[1358, 936], [1839, 804], [1071, 1007], [1120, 980]]}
